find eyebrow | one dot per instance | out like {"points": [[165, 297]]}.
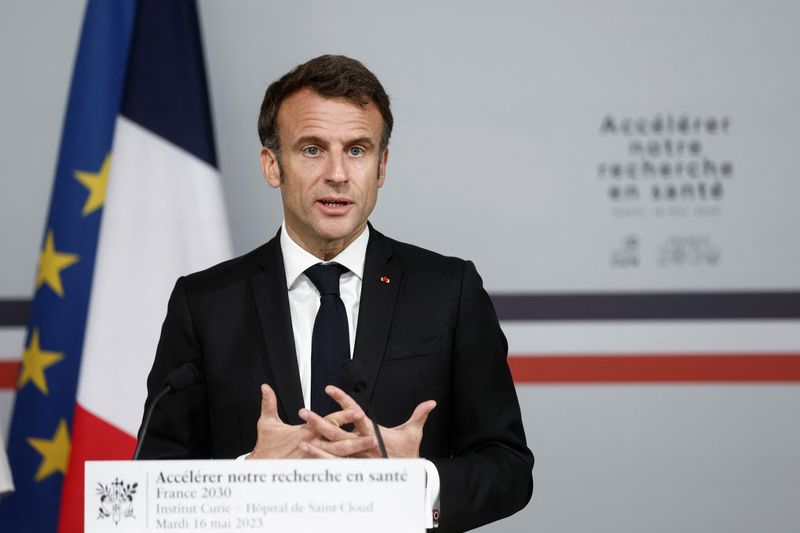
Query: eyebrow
{"points": [[309, 139], [366, 142]]}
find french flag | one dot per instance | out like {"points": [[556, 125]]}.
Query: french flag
{"points": [[164, 216], [137, 202]]}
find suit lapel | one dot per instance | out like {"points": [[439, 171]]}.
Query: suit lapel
{"points": [[272, 302], [379, 290]]}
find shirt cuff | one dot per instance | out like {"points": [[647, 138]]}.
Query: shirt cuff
{"points": [[432, 493]]}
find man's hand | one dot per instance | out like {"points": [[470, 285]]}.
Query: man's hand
{"points": [[401, 441], [277, 440]]}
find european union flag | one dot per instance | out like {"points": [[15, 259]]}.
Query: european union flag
{"points": [[39, 440]]}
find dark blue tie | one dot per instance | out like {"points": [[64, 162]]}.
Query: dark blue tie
{"points": [[330, 342]]}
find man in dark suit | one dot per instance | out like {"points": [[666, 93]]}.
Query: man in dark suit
{"points": [[419, 324]]}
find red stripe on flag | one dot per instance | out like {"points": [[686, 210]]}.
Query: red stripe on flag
{"points": [[92, 439], [9, 371], [662, 368]]}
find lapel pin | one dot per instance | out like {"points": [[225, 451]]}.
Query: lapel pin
{"points": [[385, 279]]}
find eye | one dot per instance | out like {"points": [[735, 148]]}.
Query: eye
{"points": [[311, 150], [356, 151]]}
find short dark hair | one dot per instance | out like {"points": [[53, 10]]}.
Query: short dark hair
{"points": [[331, 76]]}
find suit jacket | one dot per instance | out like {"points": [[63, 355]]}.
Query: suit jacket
{"points": [[430, 333]]}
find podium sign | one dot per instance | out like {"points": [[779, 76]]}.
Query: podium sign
{"points": [[356, 495]]}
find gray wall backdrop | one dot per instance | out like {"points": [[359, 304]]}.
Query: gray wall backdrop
{"points": [[498, 110]]}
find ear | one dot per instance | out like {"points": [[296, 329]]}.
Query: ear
{"points": [[384, 160], [270, 167]]}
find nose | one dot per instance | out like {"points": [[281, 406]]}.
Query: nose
{"points": [[336, 172]]}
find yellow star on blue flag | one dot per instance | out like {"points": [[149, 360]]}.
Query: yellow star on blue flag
{"points": [[51, 263], [96, 183], [34, 362], [54, 452]]}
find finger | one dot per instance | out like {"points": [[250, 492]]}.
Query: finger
{"points": [[348, 447], [269, 403], [315, 452], [341, 397], [323, 426], [348, 416], [420, 414], [363, 424], [338, 418]]}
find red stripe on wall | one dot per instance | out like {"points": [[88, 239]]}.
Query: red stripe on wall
{"points": [[662, 368], [9, 370], [641, 368]]}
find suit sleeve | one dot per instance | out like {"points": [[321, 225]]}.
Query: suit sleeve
{"points": [[488, 475], [179, 427]]}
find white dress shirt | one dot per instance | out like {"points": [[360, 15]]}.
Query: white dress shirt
{"points": [[304, 296], [303, 306]]}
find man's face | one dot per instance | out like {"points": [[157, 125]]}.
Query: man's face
{"points": [[330, 169]]}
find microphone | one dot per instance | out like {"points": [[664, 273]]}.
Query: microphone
{"points": [[356, 381], [179, 379]]}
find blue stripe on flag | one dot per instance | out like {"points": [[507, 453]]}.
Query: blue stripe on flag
{"points": [[165, 90], [38, 444]]}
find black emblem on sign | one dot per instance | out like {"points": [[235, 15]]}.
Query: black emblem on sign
{"points": [[116, 500], [627, 255]]}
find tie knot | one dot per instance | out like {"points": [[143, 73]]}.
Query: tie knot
{"points": [[326, 277]]}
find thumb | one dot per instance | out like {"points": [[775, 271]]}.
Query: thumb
{"points": [[420, 414], [269, 403]]}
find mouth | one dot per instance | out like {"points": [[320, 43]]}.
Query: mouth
{"points": [[334, 206], [334, 202]]}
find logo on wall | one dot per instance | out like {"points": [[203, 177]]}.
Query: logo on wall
{"points": [[688, 251], [627, 254], [666, 166], [116, 500]]}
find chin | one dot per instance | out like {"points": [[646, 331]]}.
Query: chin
{"points": [[334, 231]]}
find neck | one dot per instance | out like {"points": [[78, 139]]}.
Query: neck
{"points": [[324, 250]]}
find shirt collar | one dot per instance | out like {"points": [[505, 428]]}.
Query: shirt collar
{"points": [[296, 260]]}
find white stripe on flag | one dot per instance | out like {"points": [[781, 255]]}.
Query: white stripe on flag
{"points": [[163, 217]]}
